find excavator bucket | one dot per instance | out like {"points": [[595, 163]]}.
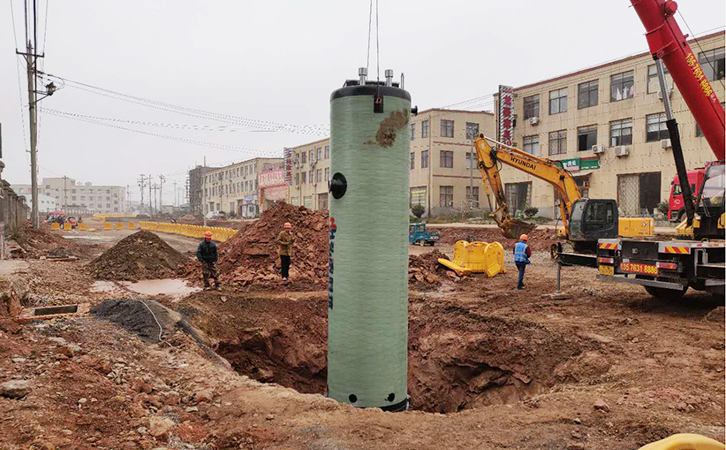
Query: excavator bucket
{"points": [[476, 257], [513, 228]]}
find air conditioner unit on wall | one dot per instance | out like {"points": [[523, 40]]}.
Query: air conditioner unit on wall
{"points": [[534, 120], [622, 150], [666, 143], [598, 148]]}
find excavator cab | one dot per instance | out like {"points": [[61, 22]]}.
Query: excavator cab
{"points": [[592, 220]]}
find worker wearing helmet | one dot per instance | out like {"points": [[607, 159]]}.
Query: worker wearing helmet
{"points": [[285, 240], [522, 253], [207, 255]]}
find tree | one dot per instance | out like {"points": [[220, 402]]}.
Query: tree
{"points": [[418, 210]]}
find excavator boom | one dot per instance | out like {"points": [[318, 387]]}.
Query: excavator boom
{"points": [[489, 160]]}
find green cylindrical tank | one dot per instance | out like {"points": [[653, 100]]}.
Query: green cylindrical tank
{"points": [[368, 284]]}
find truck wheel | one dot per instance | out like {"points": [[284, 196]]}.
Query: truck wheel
{"points": [[665, 294]]}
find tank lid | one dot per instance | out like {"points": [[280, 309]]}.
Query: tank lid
{"points": [[371, 88]]}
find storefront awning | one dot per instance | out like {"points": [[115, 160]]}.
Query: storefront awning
{"points": [[582, 173]]}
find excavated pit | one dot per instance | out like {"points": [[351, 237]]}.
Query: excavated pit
{"points": [[458, 358]]}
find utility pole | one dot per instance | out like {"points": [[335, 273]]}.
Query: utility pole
{"points": [[151, 209], [65, 193], [142, 185], [175, 195], [161, 191]]}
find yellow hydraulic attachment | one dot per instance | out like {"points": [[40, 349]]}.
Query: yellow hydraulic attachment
{"points": [[476, 257], [685, 441]]}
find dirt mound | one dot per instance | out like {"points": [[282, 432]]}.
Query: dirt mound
{"points": [[143, 255], [539, 239], [251, 255], [134, 316], [716, 315], [424, 271], [45, 242]]}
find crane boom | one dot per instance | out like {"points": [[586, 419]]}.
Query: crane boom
{"points": [[668, 43]]}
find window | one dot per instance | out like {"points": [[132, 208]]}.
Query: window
{"points": [[327, 174], [311, 157], [424, 159], [304, 177], [447, 128], [558, 101], [311, 176], [425, 129], [531, 106], [474, 198], [531, 144], [303, 157], [712, 63], [319, 154], [471, 160], [418, 196], [621, 132], [446, 196], [653, 83], [558, 143], [319, 176], [519, 195], [472, 130], [622, 86], [327, 152], [447, 159], [656, 128], [586, 138], [587, 94], [413, 131], [413, 160]]}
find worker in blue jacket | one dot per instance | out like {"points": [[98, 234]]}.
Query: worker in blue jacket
{"points": [[522, 253]]}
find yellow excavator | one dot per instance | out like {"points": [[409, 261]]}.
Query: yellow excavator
{"points": [[585, 220]]}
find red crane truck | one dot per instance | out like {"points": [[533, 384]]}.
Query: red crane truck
{"points": [[695, 259]]}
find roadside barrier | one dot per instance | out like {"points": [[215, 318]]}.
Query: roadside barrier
{"points": [[219, 234]]}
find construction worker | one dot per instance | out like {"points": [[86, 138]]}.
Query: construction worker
{"points": [[207, 255], [285, 239], [522, 253]]}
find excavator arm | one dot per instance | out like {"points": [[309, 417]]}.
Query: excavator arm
{"points": [[489, 160]]}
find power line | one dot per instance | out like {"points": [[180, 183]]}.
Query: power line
{"points": [[255, 123], [162, 136]]}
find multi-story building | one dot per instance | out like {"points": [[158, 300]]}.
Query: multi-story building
{"points": [[442, 174], [310, 173], [606, 125], [77, 197], [234, 189], [196, 188]]}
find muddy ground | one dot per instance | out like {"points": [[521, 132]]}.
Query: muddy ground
{"points": [[489, 367]]}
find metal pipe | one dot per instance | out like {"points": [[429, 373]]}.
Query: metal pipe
{"points": [[389, 77], [362, 75]]}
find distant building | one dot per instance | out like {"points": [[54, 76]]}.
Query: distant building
{"points": [[79, 198], [196, 188], [234, 189], [46, 203]]}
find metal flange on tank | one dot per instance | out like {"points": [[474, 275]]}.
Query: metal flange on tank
{"points": [[368, 279]]}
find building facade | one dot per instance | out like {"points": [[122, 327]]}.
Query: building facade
{"points": [[76, 197], [233, 189], [195, 191], [442, 174], [606, 125]]}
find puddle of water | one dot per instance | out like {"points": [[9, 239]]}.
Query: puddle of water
{"points": [[170, 286]]}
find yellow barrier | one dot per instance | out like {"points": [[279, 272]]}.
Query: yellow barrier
{"points": [[67, 226], [119, 225], [132, 226], [193, 231], [685, 441], [82, 227], [107, 225], [55, 226]]}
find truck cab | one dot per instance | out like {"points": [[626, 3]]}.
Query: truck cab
{"points": [[676, 208]]}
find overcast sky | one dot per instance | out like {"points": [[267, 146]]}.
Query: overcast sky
{"points": [[261, 64]]}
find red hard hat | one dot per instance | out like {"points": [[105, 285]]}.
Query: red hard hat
{"points": [[208, 234], [288, 225], [524, 237]]}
